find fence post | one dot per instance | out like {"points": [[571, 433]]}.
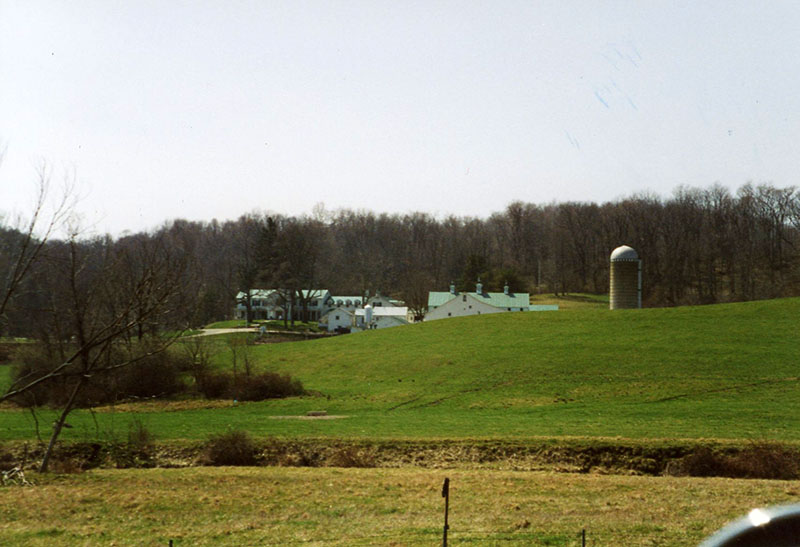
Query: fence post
{"points": [[583, 537], [446, 496]]}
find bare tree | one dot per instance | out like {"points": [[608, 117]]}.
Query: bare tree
{"points": [[98, 320], [22, 245]]}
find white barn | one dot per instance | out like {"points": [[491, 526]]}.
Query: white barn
{"points": [[442, 305]]}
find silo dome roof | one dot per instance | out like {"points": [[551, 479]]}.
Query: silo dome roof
{"points": [[624, 253]]}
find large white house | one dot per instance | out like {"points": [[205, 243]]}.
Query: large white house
{"points": [[337, 313], [272, 304], [442, 305]]}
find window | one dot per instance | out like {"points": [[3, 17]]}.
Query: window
{"points": [[449, 314], [470, 307], [509, 309], [463, 297], [337, 317]]}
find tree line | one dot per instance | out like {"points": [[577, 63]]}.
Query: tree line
{"points": [[698, 246]]}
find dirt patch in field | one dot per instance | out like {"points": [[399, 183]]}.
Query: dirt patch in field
{"points": [[550, 455]]}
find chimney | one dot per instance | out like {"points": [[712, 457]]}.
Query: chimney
{"points": [[505, 288], [452, 288], [479, 287]]}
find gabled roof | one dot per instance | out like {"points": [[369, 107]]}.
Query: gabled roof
{"points": [[496, 299], [388, 311], [337, 310]]}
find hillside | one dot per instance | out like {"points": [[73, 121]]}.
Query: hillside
{"points": [[725, 371]]}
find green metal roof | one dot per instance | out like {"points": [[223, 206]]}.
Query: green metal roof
{"points": [[496, 299]]}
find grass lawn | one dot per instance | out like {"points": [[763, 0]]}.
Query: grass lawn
{"points": [[5, 376], [723, 372], [321, 506]]}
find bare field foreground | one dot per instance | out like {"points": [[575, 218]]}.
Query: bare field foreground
{"points": [[335, 506]]}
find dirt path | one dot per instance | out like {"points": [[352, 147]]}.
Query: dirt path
{"points": [[211, 332]]}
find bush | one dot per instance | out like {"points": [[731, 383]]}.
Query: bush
{"points": [[760, 460], [233, 448], [139, 437], [138, 451], [266, 386], [249, 388], [215, 386], [156, 375], [763, 460]]}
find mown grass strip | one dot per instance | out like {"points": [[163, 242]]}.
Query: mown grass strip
{"points": [[272, 506]]}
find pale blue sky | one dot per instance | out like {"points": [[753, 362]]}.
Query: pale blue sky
{"points": [[207, 110]]}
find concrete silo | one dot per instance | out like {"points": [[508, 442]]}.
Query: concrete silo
{"points": [[626, 279]]}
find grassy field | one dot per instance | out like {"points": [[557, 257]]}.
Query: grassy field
{"points": [[5, 377], [722, 372], [583, 375], [287, 506]]}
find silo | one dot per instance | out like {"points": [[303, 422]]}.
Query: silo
{"points": [[367, 316], [626, 279]]}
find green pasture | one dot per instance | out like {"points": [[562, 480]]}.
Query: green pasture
{"points": [[714, 372], [5, 376]]}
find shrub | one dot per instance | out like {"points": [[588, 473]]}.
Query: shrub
{"points": [[763, 460], [233, 448], [266, 386], [760, 460], [214, 386], [702, 462], [139, 436], [138, 451], [250, 388], [156, 375]]}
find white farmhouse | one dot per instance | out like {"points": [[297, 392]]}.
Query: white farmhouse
{"points": [[338, 320], [271, 304], [442, 305], [380, 318]]}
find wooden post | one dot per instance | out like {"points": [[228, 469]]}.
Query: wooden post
{"points": [[446, 496]]}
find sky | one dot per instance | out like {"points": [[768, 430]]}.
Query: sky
{"points": [[212, 109]]}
